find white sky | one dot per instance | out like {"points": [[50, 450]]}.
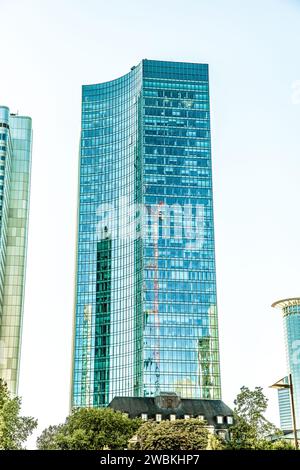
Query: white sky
{"points": [[48, 50]]}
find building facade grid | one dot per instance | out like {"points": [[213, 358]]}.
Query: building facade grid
{"points": [[146, 307], [15, 170]]}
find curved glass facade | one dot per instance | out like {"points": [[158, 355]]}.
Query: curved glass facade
{"points": [[291, 318], [108, 290], [146, 308], [291, 321]]}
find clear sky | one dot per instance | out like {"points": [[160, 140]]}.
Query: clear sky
{"points": [[48, 50]]}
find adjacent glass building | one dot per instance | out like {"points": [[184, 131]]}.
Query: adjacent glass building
{"points": [[285, 412], [291, 320], [15, 165], [146, 307]]}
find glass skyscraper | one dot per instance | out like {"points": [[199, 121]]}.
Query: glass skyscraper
{"points": [[285, 412], [146, 307], [291, 320], [15, 166]]}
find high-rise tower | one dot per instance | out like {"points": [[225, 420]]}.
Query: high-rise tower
{"points": [[15, 166], [291, 321], [146, 306]]}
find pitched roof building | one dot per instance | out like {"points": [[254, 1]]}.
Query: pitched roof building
{"points": [[219, 417]]}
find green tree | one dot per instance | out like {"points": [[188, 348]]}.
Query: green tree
{"points": [[282, 444], [251, 430], [14, 429], [47, 440], [215, 443], [90, 429], [182, 434]]}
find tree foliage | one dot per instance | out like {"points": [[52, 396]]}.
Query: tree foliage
{"points": [[90, 429], [14, 429], [251, 430], [47, 440], [104, 428], [282, 444], [182, 434]]}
